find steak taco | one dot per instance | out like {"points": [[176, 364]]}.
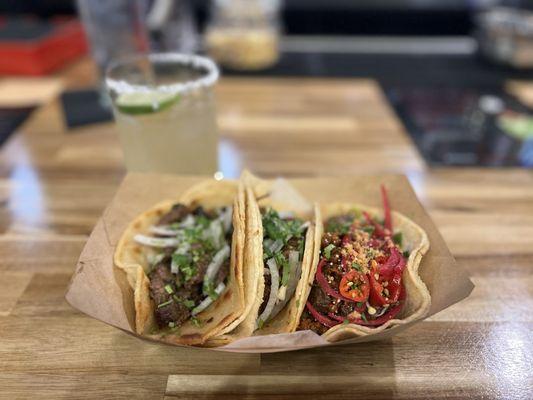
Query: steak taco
{"points": [[366, 278], [184, 261]]}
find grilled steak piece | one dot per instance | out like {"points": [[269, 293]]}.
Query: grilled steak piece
{"points": [[308, 322], [167, 309], [320, 300], [176, 214]]}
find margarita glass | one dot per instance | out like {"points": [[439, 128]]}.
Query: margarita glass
{"points": [[165, 112]]}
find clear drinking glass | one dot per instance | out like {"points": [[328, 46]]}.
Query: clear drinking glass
{"points": [[164, 108], [115, 29]]}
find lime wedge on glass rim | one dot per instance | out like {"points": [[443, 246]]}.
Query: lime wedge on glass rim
{"points": [[145, 102]]}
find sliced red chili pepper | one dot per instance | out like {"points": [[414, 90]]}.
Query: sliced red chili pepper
{"points": [[395, 284], [375, 243], [359, 288], [376, 297], [319, 317], [323, 282], [387, 268], [336, 317], [390, 274], [378, 229], [386, 209], [390, 314]]}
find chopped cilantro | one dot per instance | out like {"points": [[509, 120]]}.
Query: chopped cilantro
{"points": [[370, 253], [356, 213], [196, 321], [203, 221], [357, 266], [209, 289], [345, 322], [187, 303], [363, 317], [338, 226], [166, 303], [283, 264], [169, 289], [369, 229], [327, 250], [398, 238], [406, 253], [276, 228], [359, 304], [185, 265]]}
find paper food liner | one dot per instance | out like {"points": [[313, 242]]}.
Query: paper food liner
{"points": [[101, 291]]}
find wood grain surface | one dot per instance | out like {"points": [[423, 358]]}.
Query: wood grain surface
{"points": [[54, 184]]}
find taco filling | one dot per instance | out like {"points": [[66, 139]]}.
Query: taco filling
{"points": [[283, 248], [359, 275], [189, 258]]}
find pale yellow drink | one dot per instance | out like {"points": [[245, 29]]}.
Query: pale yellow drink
{"points": [[167, 122]]}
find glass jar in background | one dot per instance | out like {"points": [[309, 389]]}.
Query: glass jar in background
{"points": [[244, 34], [164, 108]]}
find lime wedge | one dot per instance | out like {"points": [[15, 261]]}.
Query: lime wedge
{"points": [[145, 102]]}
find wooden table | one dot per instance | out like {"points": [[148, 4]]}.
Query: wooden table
{"points": [[54, 185]]}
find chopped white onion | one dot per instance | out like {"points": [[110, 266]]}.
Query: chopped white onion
{"points": [[226, 217], [267, 243], [274, 286], [276, 246], [188, 222], [208, 300], [282, 292], [183, 248], [168, 230], [214, 233], [294, 256], [286, 214], [156, 242], [295, 273], [215, 264], [304, 226], [154, 259], [163, 230]]}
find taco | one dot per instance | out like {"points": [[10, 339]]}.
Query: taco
{"points": [[366, 279], [184, 261], [280, 246], [286, 225]]}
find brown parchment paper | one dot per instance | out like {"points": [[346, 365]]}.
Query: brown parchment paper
{"points": [[100, 290]]}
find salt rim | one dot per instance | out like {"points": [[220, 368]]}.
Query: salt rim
{"points": [[121, 86]]}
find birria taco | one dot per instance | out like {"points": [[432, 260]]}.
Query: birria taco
{"points": [[366, 279], [184, 261]]}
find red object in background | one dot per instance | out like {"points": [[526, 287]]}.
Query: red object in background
{"points": [[46, 53]]}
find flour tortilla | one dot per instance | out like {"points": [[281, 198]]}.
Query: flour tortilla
{"points": [[133, 259], [418, 300]]}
